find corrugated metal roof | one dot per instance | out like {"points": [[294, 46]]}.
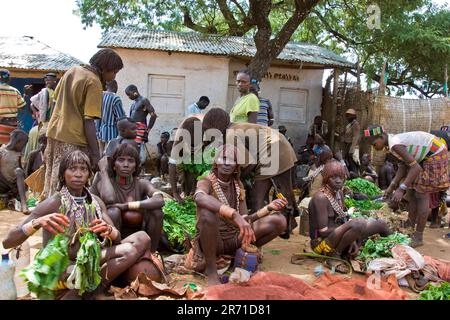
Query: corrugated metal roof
{"points": [[30, 54], [193, 42]]}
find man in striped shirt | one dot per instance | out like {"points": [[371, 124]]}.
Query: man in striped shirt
{"points": [[112, 111], [10, 102], [265, 113]]}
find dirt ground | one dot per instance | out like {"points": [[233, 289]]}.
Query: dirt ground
{"points": [[277, 254]]}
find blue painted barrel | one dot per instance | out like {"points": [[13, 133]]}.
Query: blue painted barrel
{"points": [[246, 260]]}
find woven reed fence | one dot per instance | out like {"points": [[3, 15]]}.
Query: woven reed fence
{"points": [[399, 115]]}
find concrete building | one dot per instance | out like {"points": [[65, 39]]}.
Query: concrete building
{"points": [[174, 69]]}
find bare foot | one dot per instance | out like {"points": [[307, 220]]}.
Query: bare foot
{"points": [[213, 280]]}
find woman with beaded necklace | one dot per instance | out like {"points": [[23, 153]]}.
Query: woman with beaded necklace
{"points": [[72, 207], [223, 225], [331, 231], [133, 203]]}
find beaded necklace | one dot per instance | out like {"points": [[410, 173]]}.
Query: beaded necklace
{"points": [[82, 211], [219, 192], [335, 204]]}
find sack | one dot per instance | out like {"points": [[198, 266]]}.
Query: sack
{"points": [[36, 180]]}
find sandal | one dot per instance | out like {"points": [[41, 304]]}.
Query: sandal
{"points": [[338, 266]]}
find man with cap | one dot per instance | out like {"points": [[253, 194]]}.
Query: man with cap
{"points": [[351, 140], [10, 101]]}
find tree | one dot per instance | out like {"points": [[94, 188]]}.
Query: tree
{"points": [[227, 17], [413, 37]]}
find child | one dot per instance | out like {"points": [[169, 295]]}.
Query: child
{"points": [[36, 158], [164, 150], [11, 173], [127, 134]]}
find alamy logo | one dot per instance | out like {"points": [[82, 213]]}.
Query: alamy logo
{"points": [[374, 18]]}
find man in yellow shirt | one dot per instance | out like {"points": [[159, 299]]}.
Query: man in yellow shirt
{"points": [[10, 102], [246, 107], [78, 98]]}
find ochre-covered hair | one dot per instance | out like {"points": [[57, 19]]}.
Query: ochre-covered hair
{"points": [[70, 159], [216, 118], [331, 169]]}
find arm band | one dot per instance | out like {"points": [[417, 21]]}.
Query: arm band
{"points": [[226, 211], [28, 229], [134, 205], [158, 193], [263, 212], [412, 163]]}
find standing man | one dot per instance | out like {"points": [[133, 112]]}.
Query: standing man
{"points": [[265, 113], [351, 140], [42, 105], [139, 110], [246, 108], [78, 103], [10, 102], [199, 106], [112, 111]]}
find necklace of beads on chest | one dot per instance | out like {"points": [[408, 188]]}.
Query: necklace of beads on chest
{"points": [[219, 192]]}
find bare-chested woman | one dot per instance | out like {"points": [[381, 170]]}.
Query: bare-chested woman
{"points": [[62, 210], [331, 232], [222, 221], [133, 203]]}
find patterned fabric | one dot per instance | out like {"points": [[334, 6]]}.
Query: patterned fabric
{"points": [[10, 101], [52, 158], [435, 174], [263, 113], [419, 144], [112, 111], [141, 129], [322, 247], [5, 132]]}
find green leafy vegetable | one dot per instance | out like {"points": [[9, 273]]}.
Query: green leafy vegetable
{"points": [[43, 274], [178, 219], [31, 202], [363, 186], [86, 274], [362, 204], [200, 168], [203, 175], [380, 247], [441, 292]]}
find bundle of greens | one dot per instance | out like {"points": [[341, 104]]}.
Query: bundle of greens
{"points": [[43, 274], [363, 186], [380, 247], [178, 219], [203, 175], [441, 292], [86, 275], [200, 168], [362, 204]]}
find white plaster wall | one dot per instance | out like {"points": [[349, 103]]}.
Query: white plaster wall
{"points": [[310, 80], [204, 75]]}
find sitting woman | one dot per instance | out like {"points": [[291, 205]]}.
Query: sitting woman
{"points": [[331, 231], [133, 203], [223, 225], [69, 208]]}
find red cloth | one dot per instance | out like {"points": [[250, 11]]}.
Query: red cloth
{"points": [[442, 266], [265, 286], [341, 288]]}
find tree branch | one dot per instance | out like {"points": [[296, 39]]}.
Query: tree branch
{"points": [[188, 22], [229, 17]]}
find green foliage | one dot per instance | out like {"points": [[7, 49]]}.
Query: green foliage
{"points": [[200, 168], [380, 247], [362, 204], [363, 186], [178, 219], [86, 274], [440, 292], [43, 274]]}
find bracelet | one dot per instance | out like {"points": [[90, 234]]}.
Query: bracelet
{"points": [[412, 163], [113, 234], [134, 205], [263, 212], [403, 186], [158, 193], [226, 211], [28, 228]]}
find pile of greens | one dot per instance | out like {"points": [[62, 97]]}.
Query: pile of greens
{"points": [[178, 219], [380, 247], [43, 274], [31, 202], [363, 186], [200, 168], [362, 204], [441, 292], [86, 274]]}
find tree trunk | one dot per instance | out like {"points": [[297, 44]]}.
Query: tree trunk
{"points": [[334, 108]]}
